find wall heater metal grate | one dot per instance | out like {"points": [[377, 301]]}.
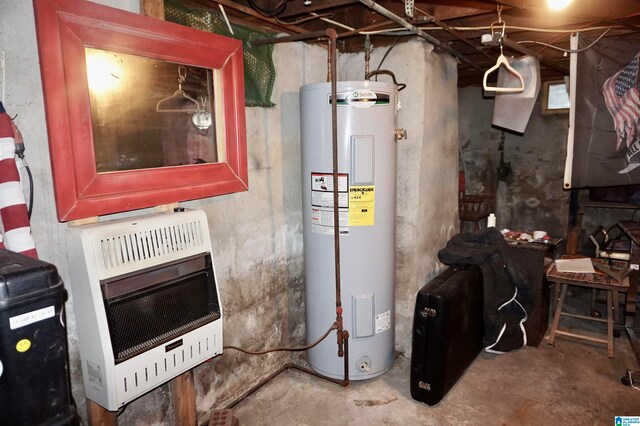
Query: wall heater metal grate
{"points": [[146, 302]]}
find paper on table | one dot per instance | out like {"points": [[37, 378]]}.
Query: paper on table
{"points": [[582, 265]]}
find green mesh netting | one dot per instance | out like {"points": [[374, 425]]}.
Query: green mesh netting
{"points": [[259, 72]]}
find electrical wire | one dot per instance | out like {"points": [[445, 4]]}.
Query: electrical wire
{"points": [[488, 28], [30, 208], [401, 86], [387, 52], [334, 326], [582, 49], [19, 152], [323, 17], [336, 23]]}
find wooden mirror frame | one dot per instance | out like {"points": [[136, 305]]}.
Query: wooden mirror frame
{"points": [[64, 29]]}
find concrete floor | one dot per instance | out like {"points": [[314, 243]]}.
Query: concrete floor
{"points": [[572, 383]]}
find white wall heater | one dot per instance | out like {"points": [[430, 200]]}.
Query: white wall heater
{"points": [[146, 302]]}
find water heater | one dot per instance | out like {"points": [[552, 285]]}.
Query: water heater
{"points": [[367, 196]]}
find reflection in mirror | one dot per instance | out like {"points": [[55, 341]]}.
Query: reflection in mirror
{"points": [[148, 113]]}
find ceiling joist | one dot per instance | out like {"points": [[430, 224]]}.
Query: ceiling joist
{"points": [[455, 26]]}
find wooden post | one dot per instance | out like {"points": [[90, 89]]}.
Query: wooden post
{"points": [[152, 8], [574, 230], [99, 416], [183, 390], [183, 398]]}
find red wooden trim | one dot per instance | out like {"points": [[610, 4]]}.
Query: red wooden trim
{"points": [[64, 29]]}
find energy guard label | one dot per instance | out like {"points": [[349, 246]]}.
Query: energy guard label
{"points": [[322, 203], [361, 202]]}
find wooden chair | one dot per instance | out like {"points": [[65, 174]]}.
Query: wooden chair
{"points": [[473, 208]]}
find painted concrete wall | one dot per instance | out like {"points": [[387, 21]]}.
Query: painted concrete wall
{"points": [[532, 196], [426, 210], [257, 235]]}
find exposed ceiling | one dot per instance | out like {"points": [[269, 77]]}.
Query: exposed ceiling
{"points": [[455, 26]]}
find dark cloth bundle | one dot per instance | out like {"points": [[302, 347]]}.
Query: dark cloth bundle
{"points": [[504, 314]]}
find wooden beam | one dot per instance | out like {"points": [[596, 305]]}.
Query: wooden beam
{"points": [[390, 15], [456, 34], [317, 6]]}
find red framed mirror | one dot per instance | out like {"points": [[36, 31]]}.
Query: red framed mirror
{"points": [[140, 112]]}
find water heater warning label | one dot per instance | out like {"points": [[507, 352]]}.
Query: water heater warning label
{"points": [[383, 321], [361, 202], [322, 203]]}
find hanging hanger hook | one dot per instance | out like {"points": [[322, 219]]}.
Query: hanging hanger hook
{"points": [[499, 22], [502, 31], [182, 75]]}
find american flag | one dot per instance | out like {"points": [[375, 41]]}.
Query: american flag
{"points": [[622, 98]]}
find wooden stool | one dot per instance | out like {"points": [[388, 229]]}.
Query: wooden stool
{"points": [[598, 281]]}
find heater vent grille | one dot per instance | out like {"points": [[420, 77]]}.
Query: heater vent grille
{"points": [[142, 319], [132, 247]]}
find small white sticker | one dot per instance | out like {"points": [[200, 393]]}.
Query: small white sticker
{"points": [[634, 266], [94, 374], [383, 321], [31, 317]]}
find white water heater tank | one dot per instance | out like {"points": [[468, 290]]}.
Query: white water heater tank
{"points": [[366, 125]]}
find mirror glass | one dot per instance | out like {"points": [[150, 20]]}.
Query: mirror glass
{"points": [[150, 113]]}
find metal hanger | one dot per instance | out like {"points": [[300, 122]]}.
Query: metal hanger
{"points": [[178, 94], [502, 61]]}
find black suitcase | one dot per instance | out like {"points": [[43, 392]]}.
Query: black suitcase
{"points": [[447, 332]]}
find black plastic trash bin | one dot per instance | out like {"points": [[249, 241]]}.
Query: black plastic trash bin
{"points": [[34, 375]]}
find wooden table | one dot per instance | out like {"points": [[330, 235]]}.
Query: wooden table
{"points": [[632, 229], [596, 281]]}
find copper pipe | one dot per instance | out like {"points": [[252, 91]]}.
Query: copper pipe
{"points": [[285, 367], [332, 75], [345, 380]]}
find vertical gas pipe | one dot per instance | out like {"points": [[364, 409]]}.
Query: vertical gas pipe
{"points": [[341, 334], [332, 36]]}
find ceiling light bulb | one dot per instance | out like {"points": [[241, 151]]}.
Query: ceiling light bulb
{"points": [[558, 4]]}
